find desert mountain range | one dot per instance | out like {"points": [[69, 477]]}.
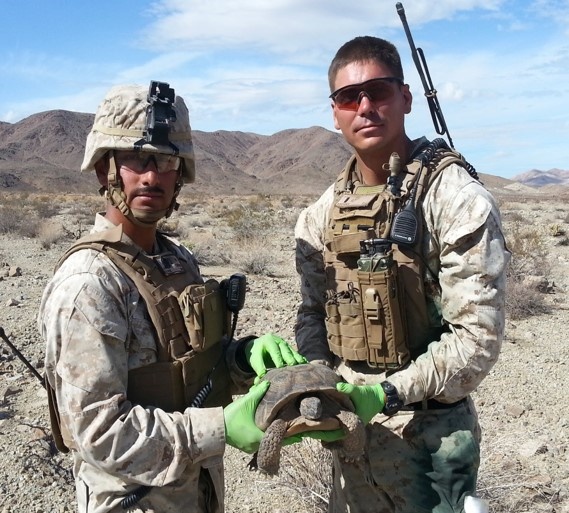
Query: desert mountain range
{"points": [[43, 152]]}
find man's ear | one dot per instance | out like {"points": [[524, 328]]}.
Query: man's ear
{"points": [[102, 169], [408, 98], [336, 125]]}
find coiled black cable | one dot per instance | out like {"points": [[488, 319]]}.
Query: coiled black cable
{"points": [[133, 497], [427, 155], [201, 396]]}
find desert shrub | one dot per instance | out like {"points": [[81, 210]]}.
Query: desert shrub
{"points": [[529, 249], [44, 206], [209, 254], [50, 233], [256, 260], [248, 223], [84, 208], [530, 257], [523, 301], [10, 218], [15, 220], [556, 230], [30, 226], [513, 216]]}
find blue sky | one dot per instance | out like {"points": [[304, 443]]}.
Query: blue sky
{"points": [[501, 68]]}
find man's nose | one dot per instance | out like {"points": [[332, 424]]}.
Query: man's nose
{"points": [[150, 172], [151, 164], [364, 102]]}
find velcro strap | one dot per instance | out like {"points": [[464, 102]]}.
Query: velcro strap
{"points": [[125, 132]]}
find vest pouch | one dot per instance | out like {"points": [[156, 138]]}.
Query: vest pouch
{"points": [[206, 377], [205, 314], [345, 325], [159, 384], [384, 318], [349, 243]]}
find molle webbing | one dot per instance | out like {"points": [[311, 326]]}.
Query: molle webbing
{"points": [[158, 291], [190, 347], [188, 367], [380, 317]]}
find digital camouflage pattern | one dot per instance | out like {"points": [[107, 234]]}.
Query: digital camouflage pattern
{"points": [[416, 462], [120, 122], [96, 329], [464, 246]]}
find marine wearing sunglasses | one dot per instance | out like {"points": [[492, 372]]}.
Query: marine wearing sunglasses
{"points": [[138, 161], [376, 90]]}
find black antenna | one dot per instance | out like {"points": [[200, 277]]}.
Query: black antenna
{"points": [[430, 92], [21, 357]]}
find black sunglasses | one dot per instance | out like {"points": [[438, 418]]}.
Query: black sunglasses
{"points": [[376, 89]]}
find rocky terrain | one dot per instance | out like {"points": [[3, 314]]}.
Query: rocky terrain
{"points": [[523, 404], [43, 153]]}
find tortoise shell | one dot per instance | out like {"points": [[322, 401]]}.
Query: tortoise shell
{"points": [[290, 383]]}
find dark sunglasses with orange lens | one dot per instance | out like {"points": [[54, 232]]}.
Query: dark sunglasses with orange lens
{"points": [[376, 89]]}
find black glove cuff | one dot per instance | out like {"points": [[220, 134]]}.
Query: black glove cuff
{"points": [[240, 357]]}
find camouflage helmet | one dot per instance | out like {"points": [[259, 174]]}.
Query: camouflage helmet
{"points": [[120, 123]]}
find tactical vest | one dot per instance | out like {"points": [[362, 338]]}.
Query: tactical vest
{"points": [[377, 307], [191, 324]]}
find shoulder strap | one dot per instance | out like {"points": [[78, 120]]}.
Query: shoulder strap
{"points": [[431, 162], [159, 290], [97, 241], [345, 179]]}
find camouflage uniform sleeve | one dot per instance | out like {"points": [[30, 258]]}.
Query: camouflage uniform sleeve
{"points": [[87, 317], [466, 249], [310, 228]]}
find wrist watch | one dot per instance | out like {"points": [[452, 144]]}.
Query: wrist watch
{"points": [[393, 402]]}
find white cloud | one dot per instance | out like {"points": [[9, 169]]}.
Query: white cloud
{"points": [[501, 73]]}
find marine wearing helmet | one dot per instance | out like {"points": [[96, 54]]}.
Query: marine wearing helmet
{"points": [[141, 125]]}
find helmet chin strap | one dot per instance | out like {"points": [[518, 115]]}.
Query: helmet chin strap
{"points": [[117, 198]]}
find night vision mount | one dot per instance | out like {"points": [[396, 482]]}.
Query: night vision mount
{"points": [[160, 114]]}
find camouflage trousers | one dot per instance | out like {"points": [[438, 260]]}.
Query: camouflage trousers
{"points": [[415, 462]]}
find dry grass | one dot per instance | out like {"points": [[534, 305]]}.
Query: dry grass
{"points": [[50, 233], [506, 482], [17, 220], [304, 477], [27, 215], [530, 258]]}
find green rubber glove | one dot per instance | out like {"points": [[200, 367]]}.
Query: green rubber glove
{"points": [[240, 428], [270, 350], [368, 400], [325, 436]]}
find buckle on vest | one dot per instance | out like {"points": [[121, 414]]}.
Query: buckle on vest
{"points": [[372, 304]]}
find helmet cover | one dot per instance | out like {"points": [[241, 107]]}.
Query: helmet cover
{"points": [[120, 124]]}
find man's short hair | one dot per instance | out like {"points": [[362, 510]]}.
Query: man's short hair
{"points": [[363, 49]]}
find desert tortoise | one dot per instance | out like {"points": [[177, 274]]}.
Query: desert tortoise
{"points": [[304, 398]]}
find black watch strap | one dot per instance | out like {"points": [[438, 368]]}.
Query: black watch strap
{"points": [[393, 402]]}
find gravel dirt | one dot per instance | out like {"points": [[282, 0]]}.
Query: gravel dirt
{"points": [[523, 404]]}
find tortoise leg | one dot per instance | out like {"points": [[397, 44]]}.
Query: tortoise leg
{"points": [[269, 453], [353, 445]]}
